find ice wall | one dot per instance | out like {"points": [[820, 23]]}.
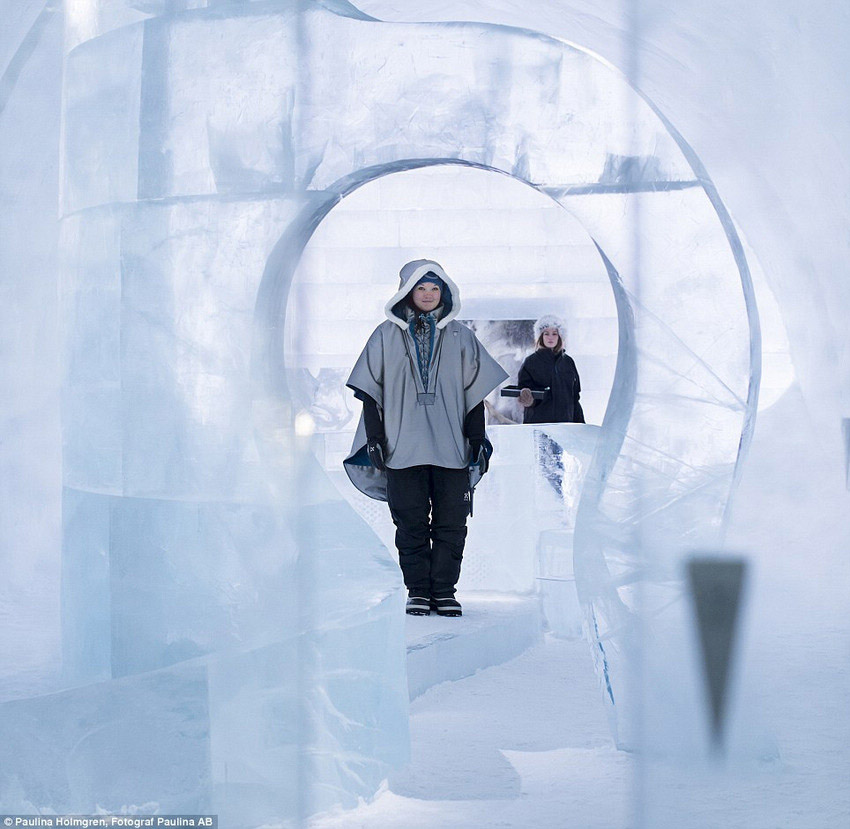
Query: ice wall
{"points": [[30, 443], [517, 255]]}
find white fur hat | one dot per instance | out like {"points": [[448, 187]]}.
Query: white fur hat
{"points": [[550, 321]]}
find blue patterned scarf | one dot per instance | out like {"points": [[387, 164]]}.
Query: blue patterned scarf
{"points": [[423, 328]]}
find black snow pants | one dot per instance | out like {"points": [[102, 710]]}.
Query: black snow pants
{"points": [[429, 505]]}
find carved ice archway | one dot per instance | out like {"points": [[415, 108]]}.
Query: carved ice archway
{"points": [[681, 411]]}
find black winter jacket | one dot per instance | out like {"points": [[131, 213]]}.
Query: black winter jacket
{"points": [[544, 369]]}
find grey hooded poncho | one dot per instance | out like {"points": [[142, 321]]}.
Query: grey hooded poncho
{"points": [[423, 425]]}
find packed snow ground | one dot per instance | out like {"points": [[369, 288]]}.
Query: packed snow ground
{"points": [[520, 744]]}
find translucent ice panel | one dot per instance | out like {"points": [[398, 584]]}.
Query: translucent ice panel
{"points": [[102, 111], [159, 344], [30, 437], [287, 122]]}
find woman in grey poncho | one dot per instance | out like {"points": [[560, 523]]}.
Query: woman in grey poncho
{"points": [[420, 444]]}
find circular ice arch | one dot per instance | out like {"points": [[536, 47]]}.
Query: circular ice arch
{"points": [[392, 97]]}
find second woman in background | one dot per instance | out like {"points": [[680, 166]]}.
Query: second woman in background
{"points": [[550, 369]]}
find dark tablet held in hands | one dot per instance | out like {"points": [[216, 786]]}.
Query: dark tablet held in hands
{"points": [[514, 391]]}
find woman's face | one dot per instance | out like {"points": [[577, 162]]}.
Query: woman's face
{"points": [[550, 337], [426, 296]]}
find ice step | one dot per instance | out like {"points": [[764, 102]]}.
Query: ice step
{"points": [[494, 628]]}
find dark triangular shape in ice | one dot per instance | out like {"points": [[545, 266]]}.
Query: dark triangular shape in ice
{"points": [[716, 587]]}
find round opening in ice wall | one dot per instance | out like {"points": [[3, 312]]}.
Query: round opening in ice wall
{"points": [[514, 253]]}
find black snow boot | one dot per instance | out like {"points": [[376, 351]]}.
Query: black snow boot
{"points": [[418, 606], [446, 607]]}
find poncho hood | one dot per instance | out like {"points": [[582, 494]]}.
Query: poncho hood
{"points": [[409, 275]]}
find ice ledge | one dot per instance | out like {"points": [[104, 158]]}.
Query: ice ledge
{"points": [[494, 628]]}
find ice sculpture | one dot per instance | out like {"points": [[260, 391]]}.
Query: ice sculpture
{"points": [[208, 564]]}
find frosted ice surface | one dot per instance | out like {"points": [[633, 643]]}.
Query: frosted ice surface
{"points": [[209, 565], [845, 430], [563, 454], [30, 441], [285, 668]]}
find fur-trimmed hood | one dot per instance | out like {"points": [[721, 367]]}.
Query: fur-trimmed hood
{"points": [[409, 275]]}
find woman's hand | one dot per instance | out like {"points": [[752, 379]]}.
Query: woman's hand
{"points": [[525, 398], [375, 450], [480, 450]]}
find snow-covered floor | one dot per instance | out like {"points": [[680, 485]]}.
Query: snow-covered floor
{"points": [[495, 627], [523, 744]]}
